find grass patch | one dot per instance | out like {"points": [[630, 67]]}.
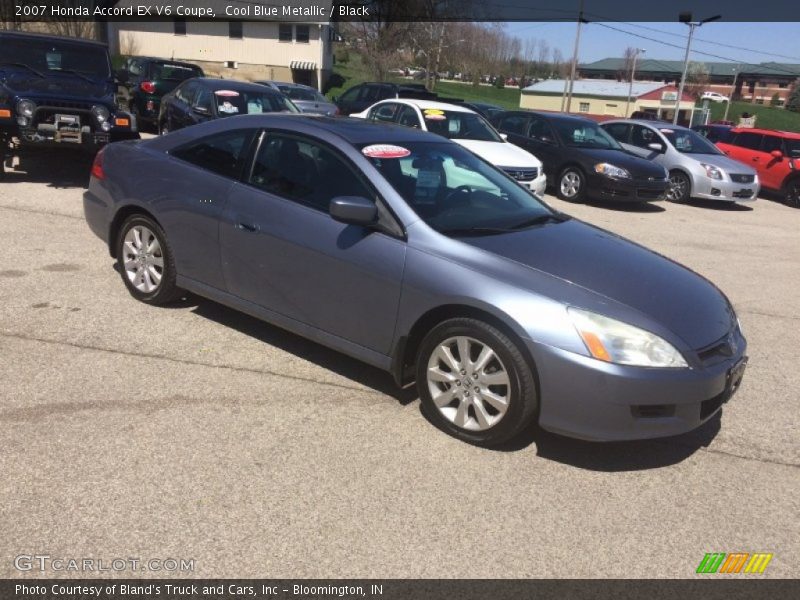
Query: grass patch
{"points": [[766, 116]]}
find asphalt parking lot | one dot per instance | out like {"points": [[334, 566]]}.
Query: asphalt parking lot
{"points": [[194, 432]]}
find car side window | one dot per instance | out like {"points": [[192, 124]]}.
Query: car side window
{"points": [[224, 153], [771, 143], [203, 99], [408, 117], [642, 136], [186, 93], [748, 140], [351, 94], [540, 130], [514, 124], [304, 171], [619, 131], [370, 93], [136, 67], [385, 112]]}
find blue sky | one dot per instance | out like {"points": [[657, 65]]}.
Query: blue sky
{"points": [[599, 42]]}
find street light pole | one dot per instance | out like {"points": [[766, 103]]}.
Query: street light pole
{"points": [[733, 91], [633, 75], [687, 18]]}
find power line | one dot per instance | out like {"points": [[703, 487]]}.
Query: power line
{"points": [[725, 58]]}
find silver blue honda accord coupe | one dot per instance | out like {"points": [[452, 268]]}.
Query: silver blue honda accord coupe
{"points": [[408, 252]]}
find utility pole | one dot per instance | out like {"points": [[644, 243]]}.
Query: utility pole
{"points": [[633, 75], [686, 17], [575, 57], [733, 91]]}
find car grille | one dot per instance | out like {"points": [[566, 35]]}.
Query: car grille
{"points": [[526, 174], [739, 178], [87, 106]]}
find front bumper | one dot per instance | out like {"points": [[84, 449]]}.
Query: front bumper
{"points": [[593, 400], [632, 190], [538, 185], [730, 191]]}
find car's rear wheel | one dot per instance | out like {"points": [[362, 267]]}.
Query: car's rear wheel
{"points": [[146, 262], [791, 194], [571, 185], [680, 188], [474, 382]]}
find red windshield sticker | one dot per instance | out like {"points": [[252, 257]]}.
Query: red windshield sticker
{"points": [[226, 93], [385, 151]]}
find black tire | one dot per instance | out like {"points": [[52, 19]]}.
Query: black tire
{"points": [[520, 392], [166, 289], [569, 179], [791, 192], [680, 188]]}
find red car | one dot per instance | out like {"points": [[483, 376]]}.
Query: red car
{"points": [[775, 155]]}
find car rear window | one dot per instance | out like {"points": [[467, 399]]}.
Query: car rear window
{"points": [[173, 72]]}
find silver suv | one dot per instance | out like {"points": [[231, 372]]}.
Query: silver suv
{"points": [[697, 168]]}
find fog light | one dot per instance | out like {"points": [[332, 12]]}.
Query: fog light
{"points": [[715, 192]]}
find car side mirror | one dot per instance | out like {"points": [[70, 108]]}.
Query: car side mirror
{"points": [[201, 110], [504, 136], [354, 210], [777, 154], [656, 146]]}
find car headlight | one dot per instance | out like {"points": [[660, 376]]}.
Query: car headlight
{"points": [[26, 108], [712, 171], [617, 342], [101, 114], [611, 171]]}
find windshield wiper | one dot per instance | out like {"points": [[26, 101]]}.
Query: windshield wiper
{"points": [[74, 72], [23, 65], [475, 231], [540, 220]]}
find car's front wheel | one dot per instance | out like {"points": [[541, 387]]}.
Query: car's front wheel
{"points": [[145, 261], [680, 188], [474, 382], [571, 185], [791, 194]]}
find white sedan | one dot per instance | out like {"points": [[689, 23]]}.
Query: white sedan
{"points": [[714, 97], [465, 127]]}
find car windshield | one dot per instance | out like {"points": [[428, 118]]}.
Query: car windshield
{"points": [[455, 192], [303, 94], [459, 125], [689, 142], [48, 56], [231, 102], [583, 135], [173, 72]]}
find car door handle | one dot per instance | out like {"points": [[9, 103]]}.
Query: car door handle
{"points": [[248, 227]]}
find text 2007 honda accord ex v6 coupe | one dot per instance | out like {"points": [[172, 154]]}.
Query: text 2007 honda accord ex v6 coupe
{"points": [[406, 251]]}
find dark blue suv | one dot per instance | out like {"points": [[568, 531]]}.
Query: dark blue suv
{"points": [[57, 91]]}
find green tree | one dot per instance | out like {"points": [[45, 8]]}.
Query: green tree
{"points": [[775, 100], [793, 100]]}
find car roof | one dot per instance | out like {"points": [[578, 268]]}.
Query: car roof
{"points": [[431, 104], [352, 130], [652, 124], [46, 36], [792, 135], [233, 84], [166, 61]]}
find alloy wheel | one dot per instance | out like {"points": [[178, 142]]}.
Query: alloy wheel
{"points": [[468, 383], [570, 184], [793, 194], [143, 259], [677, 187]]}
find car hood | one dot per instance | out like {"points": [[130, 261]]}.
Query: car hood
{"points": [[728, 165], [639, 168], [680, 300], [501, 154], [25, 84]]}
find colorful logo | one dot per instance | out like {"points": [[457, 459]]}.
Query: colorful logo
{"points": [[736, 562]]}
